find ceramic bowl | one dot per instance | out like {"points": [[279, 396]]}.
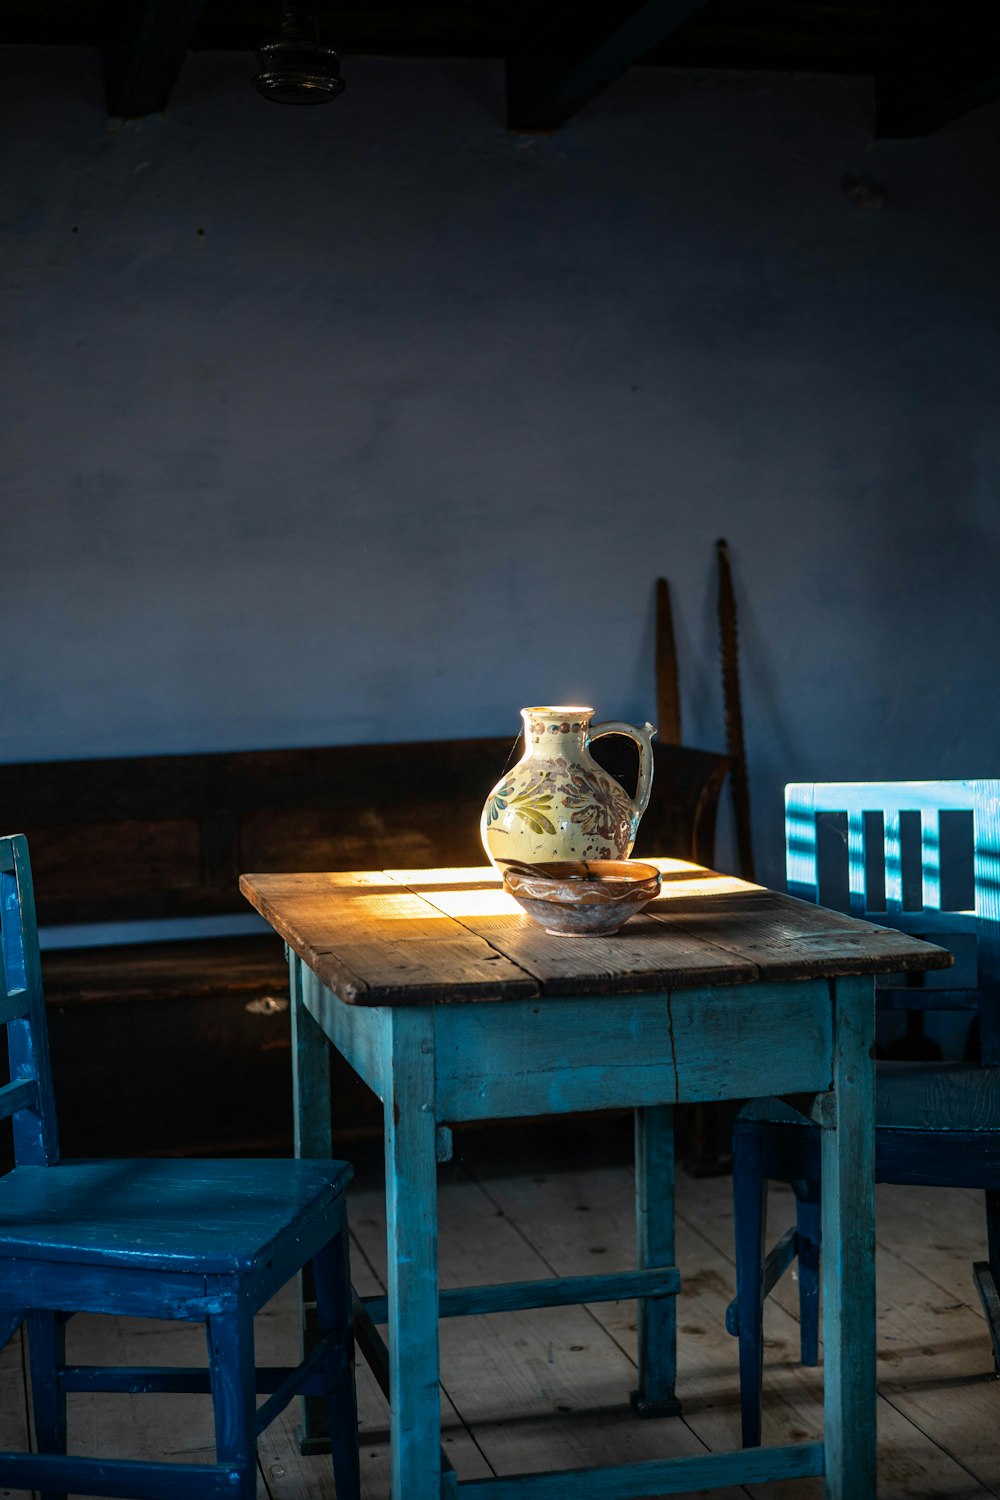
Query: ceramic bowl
{"points": [[582, 898]]}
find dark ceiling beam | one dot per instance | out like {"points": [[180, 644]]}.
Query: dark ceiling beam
{"points": [[143, 55], [958, 76], [593, 44]]}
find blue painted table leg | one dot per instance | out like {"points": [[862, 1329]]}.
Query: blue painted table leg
{"points": [[46, 1352], [848, 1261], [313, 1138], [411, 1212], [656, 1317]]}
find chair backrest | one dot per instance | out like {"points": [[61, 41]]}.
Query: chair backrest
{"points": [[27, 1099], [898, 873]]}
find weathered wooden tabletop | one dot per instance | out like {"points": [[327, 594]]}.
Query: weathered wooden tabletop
{"points": [[405, 937]]}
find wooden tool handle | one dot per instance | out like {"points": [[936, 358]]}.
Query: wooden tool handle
{"points": [[729, 642], [668, 696]]}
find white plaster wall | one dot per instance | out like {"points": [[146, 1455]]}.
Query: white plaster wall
{"points": [[376, 422]]}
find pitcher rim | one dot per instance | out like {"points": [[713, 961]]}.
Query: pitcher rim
{"points": [[558, 710]]}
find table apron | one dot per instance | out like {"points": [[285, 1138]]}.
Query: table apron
{"points": [[543, 1056], [560, 1055], [552, 1056]]}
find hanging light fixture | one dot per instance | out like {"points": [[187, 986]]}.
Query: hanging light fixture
{"points": [[297, 68]]}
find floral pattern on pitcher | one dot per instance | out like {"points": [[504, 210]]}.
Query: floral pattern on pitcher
{"points": [[531, 803], [557, 802], [598, 805]]}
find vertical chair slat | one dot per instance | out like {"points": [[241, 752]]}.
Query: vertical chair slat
{"points": [[856, 883], [930, 858], [893, 861]]}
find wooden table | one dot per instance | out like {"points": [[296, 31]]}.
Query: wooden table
{"points": [[452, 1005]]}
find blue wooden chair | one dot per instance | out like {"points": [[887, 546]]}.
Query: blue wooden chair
{"points": [[937, 1123], [208, 1241]]}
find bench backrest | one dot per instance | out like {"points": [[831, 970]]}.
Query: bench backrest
{"points": [[150, 837]]}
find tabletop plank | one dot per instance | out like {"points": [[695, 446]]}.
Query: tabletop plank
{"points": [[382, 937], [654, 958], [373, 942], [785, 938]]}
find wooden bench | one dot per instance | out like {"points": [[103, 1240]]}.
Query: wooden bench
{"points": [[161, 984]]}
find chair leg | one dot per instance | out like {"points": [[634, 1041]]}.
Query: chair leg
{"points": [[749, 1223], [234, 1396], [46, 1353], [332, 1281], [807, 1217]]}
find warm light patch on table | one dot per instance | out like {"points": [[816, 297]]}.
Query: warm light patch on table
{"points": [[446, 876], [461, 893], [682, 878], [477, 892]]}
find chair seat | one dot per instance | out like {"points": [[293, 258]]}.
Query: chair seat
{"points": [[210, 1216], [914, 1096]]}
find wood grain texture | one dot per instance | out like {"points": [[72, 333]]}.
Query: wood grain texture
{"points": [[934, 1384], [784, 938], [374, 941], [447, 935], [652, 960], [939, 1096], [216, 1216], [552, 1056], [540, 1389], [149, 973]]}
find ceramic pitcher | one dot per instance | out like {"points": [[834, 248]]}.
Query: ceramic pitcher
{"points": [[557, 803]]}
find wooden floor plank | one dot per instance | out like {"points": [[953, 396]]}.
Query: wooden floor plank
{"points": [[292, 1476], [563, 1210], [174, 1428], [540, 1390], [935, 1361], [938, 1231], [548, 1389]]}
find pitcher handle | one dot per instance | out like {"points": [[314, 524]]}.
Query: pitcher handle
{"points": [[644, 739]]}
